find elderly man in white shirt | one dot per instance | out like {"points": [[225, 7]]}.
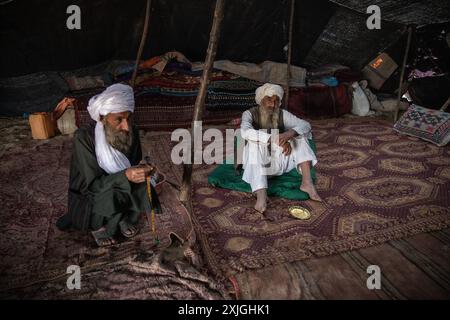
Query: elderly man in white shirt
{"points": [[265, 155]]}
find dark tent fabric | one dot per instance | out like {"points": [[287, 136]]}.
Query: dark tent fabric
{"points": [[418, 12], [347, 40], [34, 33], [35, 92], [253, 31], [34, 36]]}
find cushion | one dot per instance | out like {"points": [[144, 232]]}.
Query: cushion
{"points": [[427, 124], [284, 186]]}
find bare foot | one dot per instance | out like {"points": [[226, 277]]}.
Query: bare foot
{"points": [[261, 200], [310, 189]]}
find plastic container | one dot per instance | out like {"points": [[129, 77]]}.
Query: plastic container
{"points": [[361, 105]]}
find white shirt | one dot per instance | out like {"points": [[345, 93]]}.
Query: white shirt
{"points": [[302, 127]]}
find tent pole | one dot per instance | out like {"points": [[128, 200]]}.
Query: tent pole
{"points": [[402, 73], [141, 45], [445, 105], [288, 73], [200, 101]]}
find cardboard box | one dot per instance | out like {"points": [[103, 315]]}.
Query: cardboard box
{"points": [[42, 125], [379, 70]]}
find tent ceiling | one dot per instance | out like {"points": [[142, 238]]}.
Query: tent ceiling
{"points": [[324, 31], [418, 12], [346, 40]]}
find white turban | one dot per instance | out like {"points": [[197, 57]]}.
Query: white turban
{"points": [[116, 98], [268, 90]]}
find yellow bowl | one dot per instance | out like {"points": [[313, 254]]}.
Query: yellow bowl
{"points": [[300, 213]]}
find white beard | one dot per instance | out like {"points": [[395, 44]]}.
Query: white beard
{"points": [[109, 159], [268, 120]]}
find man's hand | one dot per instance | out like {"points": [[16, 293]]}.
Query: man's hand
{"points": [[287, 148], [283, 141], [286, 137], [137, 174], [151, 166]]}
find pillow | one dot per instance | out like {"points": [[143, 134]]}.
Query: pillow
{"points": [[427, 124]]}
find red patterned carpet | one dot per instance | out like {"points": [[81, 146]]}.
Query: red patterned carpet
{"points": [[377, 186]]}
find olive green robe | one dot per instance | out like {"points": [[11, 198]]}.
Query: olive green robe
{"points": [[97, 198]]}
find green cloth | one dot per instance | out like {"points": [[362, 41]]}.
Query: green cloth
{"points": [[99, 199], [285, 186]]}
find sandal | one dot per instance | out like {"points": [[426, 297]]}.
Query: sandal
{"points": [[127, 230], [102, 238]]}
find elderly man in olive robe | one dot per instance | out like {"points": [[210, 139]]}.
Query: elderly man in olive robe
{"points": [[107, 189]]}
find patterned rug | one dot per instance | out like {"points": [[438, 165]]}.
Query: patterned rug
{"points": [[376, 184]]}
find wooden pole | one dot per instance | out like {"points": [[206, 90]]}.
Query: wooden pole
{"points": [[288, 71], [445, 105], [200, 101], [141, 45], [402, 73]]}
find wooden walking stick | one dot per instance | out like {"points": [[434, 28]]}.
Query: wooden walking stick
{"points": [[152, 217], [141, 45], [200, 101], [288, 71]]}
